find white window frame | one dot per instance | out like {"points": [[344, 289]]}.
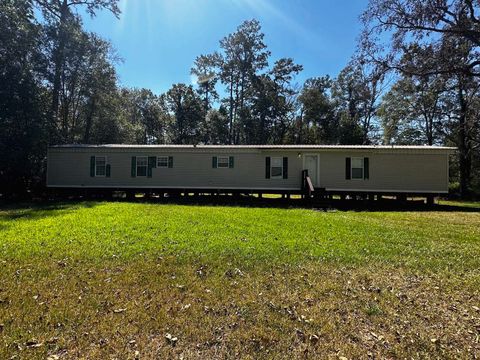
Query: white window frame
{"points": [[163, 165], [223, 157], [146, 165], [271, 167], [362, 161], [104, 166]]}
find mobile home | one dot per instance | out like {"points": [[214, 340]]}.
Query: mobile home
{"points": [[290, 169]]}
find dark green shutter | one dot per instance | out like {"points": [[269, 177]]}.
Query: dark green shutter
{"points": [[107, 170], [230, 162], [285, 167], [214, 162], [151, 164], [170, 161], [267, 167], [134, 166], [366, 170], [348, 168], [152, 161], [92, 166]]}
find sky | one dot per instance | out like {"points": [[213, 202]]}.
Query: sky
{"points": [[158, 40]]}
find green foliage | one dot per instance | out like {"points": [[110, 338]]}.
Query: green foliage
{"points": [[59, 85], [186, 108], [433, 47], [22, 98]]}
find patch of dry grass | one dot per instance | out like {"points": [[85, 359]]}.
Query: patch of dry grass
{"points": [[124, 293]]}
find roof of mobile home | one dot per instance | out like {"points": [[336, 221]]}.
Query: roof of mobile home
{"points": [[265, 147]]}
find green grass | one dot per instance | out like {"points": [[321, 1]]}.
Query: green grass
{"points": [[235, 282]]}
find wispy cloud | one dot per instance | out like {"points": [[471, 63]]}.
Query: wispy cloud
{"points": [[267, 8]]}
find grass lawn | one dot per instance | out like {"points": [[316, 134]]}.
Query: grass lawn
{"points": [[142, 280]]}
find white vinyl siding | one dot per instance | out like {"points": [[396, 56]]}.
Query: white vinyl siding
{"points": [[390, 170]]}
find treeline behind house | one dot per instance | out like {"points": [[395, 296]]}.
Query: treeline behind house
{"points": [[59, 85]]}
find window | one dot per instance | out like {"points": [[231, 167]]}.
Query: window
{"points": [[357, 168], [222, 162], [276, 168], [142, 165], [100, 165], [162, 161]]}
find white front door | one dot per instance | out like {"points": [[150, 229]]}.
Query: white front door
{"points": [[311, 164]]}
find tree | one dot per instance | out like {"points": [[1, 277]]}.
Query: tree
{"points": [[22, 120], [146, 115], [462, 125], [204, 69], [424, 38], [260, 101], [215, 128], [403, 25], [412, 111], [186, 108], [356, 92], [244, 54], [100, 90], [273, 103], [60, 16], [317, 121]]}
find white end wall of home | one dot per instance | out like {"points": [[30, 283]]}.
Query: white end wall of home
{"points": [[395, 170]]}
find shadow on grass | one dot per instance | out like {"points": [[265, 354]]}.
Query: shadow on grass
{"points": [[39, 210], [383, 205], [320, 205], [43, 209]]}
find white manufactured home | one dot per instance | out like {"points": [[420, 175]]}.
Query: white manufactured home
{"points": [[290, 169]]}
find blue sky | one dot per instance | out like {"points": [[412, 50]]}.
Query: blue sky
{"points": [[159, 39]]}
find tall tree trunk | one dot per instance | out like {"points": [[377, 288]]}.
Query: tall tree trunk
{"points": [[230, 132], [300, 131], [429, 129], [89, 121], [58, 59], [464, 145]]}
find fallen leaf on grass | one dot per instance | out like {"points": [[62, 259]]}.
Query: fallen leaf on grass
{"points": [[314, 338], [33, 344], [172, 340], [300, 334], [234, 272], [52, 340], [201, 271], [379, 337], [304, 319]]}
